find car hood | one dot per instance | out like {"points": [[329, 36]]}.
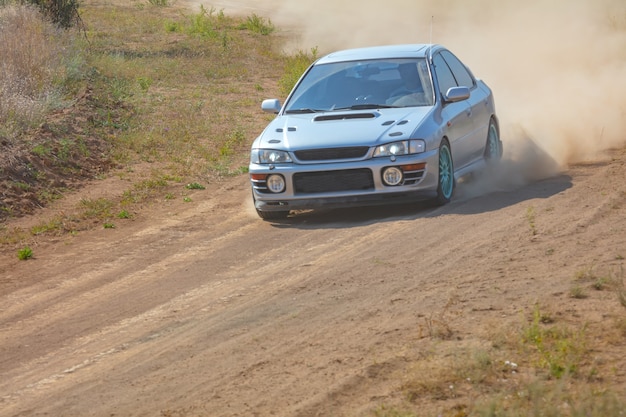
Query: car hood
{"points": [[341, 128]]}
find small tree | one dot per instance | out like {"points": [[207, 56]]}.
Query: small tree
{"points": [[63, 13]]}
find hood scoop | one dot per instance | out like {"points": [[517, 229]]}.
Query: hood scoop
{"points": [[346, 116]]}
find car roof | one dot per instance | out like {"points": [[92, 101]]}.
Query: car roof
{"points": [[378, 52]]}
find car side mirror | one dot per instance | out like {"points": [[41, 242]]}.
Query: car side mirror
{"points": [[455, 94], [271, 105]]}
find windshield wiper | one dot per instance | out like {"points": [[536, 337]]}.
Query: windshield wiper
{"points": [[370, 106], [303, 111]]}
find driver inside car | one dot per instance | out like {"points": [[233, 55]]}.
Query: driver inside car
{"points": [[411, 92]]}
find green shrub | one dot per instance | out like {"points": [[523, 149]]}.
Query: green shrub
{"points": [[257, 24], [25, 253]]}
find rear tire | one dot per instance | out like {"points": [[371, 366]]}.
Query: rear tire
{"points": [[445, 184], [493, 148]]}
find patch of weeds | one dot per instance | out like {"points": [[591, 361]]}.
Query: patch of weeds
{"points": [[438, 327], [546, 399], [559, 350], [67, 149], [142, 190], [187, 199], [24, 253], [124, 214], [612, 281], [257, 24], [599, 284], [175, 178], [41, 150], [144, 83], [204, 23], [173, 27], [530, 217], [6, 211], [169, 196], [577, 292], [109, 225], [295, 66], [120, 89], [225, 170], [158, 3], [235, 139], [21, 185], [585, 274], [98, 208], [53, 225], [195, 186], [478, 366]]}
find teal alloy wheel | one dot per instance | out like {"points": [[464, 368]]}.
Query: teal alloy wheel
{"points": [[446, 175], [493, 150]]}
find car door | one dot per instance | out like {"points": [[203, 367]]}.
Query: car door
{"points": [[476, 141], [456, 116]]}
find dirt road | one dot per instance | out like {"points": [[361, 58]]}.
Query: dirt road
{"points": [[203, 309]]}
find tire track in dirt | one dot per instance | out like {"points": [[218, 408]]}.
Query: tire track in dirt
{"points": [[208, 310]]}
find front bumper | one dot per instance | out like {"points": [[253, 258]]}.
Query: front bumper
{"points": [[420, 186]]}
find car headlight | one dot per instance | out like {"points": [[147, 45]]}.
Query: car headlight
{"points": [[403, 147], [269, 156]]}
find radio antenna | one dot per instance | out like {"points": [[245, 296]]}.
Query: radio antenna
{"points": [[432, 20]]}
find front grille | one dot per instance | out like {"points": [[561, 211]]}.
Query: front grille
{"points": [[330, 181], [327, 154]]}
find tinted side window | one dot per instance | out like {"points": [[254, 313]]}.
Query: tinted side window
{"points": [[445, 79], [463, 77]]}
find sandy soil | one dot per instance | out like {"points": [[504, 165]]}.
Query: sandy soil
{"points": [[201, 308]]}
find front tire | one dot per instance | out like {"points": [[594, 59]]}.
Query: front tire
{"points": [[272, 215], [269, 215], [445, 184]]}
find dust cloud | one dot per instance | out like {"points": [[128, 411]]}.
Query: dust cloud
{"points": [[557, 67]]}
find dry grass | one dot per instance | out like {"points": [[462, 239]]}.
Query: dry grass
{"points": [[541, 367], [195, 81], [36, 60]]}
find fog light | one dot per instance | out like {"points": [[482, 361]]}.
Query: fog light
{"points": [[276, 183], [392, 176]]}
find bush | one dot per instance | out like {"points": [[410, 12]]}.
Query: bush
{"points": [[63, 13]]}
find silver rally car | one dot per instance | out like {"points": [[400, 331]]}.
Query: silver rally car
{"points": [[378, 125]]}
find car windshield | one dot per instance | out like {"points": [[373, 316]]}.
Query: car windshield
{"points": [[357, 85]]}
